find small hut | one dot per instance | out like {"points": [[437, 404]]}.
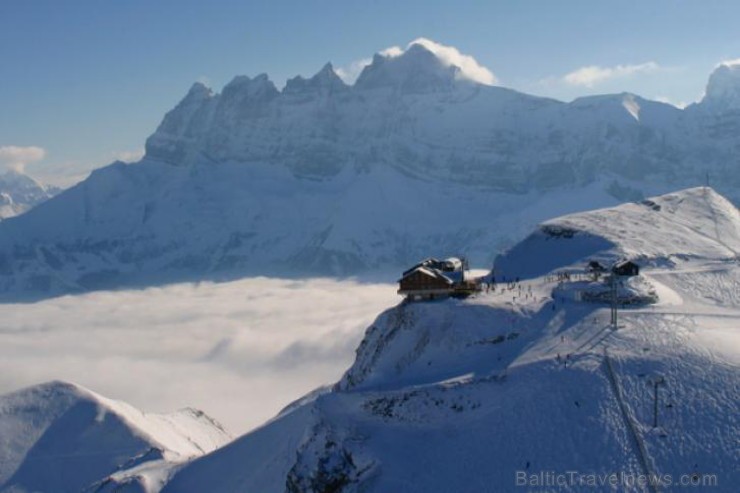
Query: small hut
{"points": [[626, 268]]}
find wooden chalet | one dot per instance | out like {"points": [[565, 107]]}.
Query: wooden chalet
{"points": [[432, 279]]}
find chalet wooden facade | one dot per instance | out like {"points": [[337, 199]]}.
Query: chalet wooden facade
{"points": [[425, 283], [432, 279]]}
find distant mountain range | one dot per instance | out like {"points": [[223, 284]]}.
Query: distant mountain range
{"points": [[325, 178]]}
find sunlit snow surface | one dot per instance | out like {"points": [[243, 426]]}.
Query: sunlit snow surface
{"points": [[450, 395], [239, 351], [459, 395]]}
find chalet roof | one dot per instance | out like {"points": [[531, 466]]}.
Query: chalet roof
{"points": [[624, 263], [431, 272], [625, 268], [448, 265], [423, 263]]}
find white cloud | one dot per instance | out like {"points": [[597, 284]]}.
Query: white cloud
{"points": [[595, 74], [239, 351], [677, 104], [469, 66], [16, 158], [351, 72], [129, 156], [449, 55], [392, 51], [730, 63]]}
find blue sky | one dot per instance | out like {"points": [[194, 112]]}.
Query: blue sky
{"points": [[86, 81]]}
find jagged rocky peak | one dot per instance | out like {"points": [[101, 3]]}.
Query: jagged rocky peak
{"points": [[199, 91], [198, 94], [416, 70], [176, 140], [723, 88], [244, 87], [164, 143], [325, 81]]}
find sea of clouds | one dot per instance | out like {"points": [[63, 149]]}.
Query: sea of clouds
{"points": [[239, 351]]}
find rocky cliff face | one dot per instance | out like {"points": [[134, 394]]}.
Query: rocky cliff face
{"points": [[416, 115]]}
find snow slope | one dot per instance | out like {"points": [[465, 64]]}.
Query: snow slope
{"points": [[466, 395], [695, 223], [154, 223], [59, 437], [322, 177]]}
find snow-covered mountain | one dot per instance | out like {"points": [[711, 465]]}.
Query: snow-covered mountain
{"points": [[323, 177], [723, 90], [19, 192], [511, 389], [59, 437], [525, 383]]}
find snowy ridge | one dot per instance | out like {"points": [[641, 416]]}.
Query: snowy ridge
{"points": [[694, 223], [153, 223], [61, 437], [459, 395], [697, 220]]}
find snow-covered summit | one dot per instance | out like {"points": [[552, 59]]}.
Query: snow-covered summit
{"points": [[723, 89], [19, 193], [664, 230], [198, 92], [416, 71], [62, 437], [244, 89], [324, 82]]}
